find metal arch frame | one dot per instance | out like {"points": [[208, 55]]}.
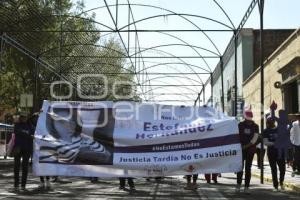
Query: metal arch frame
{"points": [[236, 31], [159, 95], [199, 29], [74, 44], [193, 47], [121, 38], [179, 58], [173, 14], [68, 16], [184, 64], [171, 44], [38, 60], [187, 20], [156, 88], [171, 76]]}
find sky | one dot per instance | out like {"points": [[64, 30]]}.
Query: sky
{"points": [[278, 14]]}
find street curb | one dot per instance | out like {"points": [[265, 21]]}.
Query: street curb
{"points": [[294, 187]]}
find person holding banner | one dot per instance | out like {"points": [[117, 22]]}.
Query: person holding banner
{"points": [[130, 183], [270, 135], [191, 185], [22, 150], [66, 143], [209, 177], [248, 132]]}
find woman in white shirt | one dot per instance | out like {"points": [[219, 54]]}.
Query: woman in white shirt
{"points": [[295, 139]]}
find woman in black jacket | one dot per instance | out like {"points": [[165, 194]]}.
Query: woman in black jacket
{"points": [[23, 148]]}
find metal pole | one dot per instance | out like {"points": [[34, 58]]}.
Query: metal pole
{"points": [[117, 9], [60, 47], [261, 11], [235, 72], [222, 82], [34, 109], [212, 92], [204, 94], [128, 39], [1, 50]]}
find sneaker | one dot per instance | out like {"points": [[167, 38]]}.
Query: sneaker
{"points": [[275, 190], [23, 189], [48, 184], [195, 186], [282, 187], [132, 189], [15, 189], [293, 174], [55, 179], [247, 190], [188, 187], [238, 188], [121, 188]]}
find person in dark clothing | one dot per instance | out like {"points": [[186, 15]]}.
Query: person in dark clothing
{"points": [[23, 149], [248, 132], [191, 185], [275, 157], [260, 153], [44, 184], [130, 183], [209, 177]]}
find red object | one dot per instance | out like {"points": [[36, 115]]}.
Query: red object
{"points": [[273, 106], [248, 114]]}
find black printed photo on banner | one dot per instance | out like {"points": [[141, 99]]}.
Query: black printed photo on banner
{"points": [[78, 136]]}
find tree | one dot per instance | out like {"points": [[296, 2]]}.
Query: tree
{"points": [[46, 28]]}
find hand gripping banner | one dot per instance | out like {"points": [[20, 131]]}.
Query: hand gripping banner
{"points": [[129, 139]]}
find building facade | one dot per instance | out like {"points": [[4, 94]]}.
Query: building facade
{"points": [[248, 59], [281, 79]]}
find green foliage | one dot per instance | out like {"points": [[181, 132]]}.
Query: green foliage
{"points": [[52, 30]]}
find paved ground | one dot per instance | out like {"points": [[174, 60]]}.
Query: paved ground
{"points": [[292, 183], [168, 188]]}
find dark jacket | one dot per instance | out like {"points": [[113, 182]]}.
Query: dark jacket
{"points": [[24, 136]]}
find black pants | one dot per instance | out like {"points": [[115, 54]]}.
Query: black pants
{"points": [[123, 181], [43, 180], [189, 177], [258, 151], [25, 155], [209, 177], [247, 163], [296, 160], [276, 158]]}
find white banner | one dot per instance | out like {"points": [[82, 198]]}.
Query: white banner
{"points": [[121, 139]]}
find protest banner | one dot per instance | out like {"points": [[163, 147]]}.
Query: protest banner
{"points": [[121, 139]]}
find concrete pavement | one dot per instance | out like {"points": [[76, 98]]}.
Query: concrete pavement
{"points": [[290, 182], [168, 188]]}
